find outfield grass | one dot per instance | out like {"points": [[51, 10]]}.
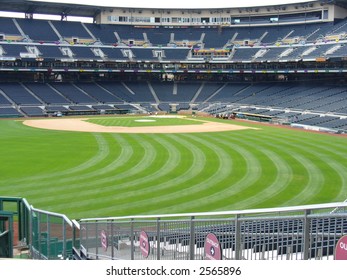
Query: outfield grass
{"points": [[105, 174]]}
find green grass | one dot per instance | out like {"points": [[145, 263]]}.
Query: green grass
{"points": [[142, 121], [103, 174]]}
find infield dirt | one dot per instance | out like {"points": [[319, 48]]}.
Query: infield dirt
{"points": [[81, 125]]}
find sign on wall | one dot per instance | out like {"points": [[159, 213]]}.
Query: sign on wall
{"points": [[213, 249], [341, 249]]}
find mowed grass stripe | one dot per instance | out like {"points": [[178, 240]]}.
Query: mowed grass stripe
{"points": [[167, 161], [286, 166], [245, 170], [314, 184], [267, 184], [196, 195], [284, 175], [341, 194], [79, 183], [142, 158], [330, 165], [121, 191], [101, 152], [331, 146], [334, 155], [132, 154], [300, 181], [192, 164], [114, 157], [236, 186], [312, 164], [212, 189], [175, 198]]}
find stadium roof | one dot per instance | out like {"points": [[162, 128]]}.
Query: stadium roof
{"points": [[181, 4], [84, 10], [342, 3], [49, 8]]}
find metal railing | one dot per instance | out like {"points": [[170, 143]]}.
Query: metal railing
{"points": [[51, 235], [46, 235], [290, 233]]}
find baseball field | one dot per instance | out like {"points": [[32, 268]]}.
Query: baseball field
{"points": [[115, 166]]}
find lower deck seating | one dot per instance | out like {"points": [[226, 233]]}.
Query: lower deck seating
{"points": [[293, 102], [9, 112], [33, 111]]}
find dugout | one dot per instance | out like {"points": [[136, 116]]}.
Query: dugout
{"points": [[254, 117]]}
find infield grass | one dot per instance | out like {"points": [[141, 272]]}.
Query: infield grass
{"points": [[108, 174], [143, 121]]}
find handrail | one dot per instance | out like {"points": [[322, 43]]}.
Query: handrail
{"points": [[236, 212], [66, 219]]}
